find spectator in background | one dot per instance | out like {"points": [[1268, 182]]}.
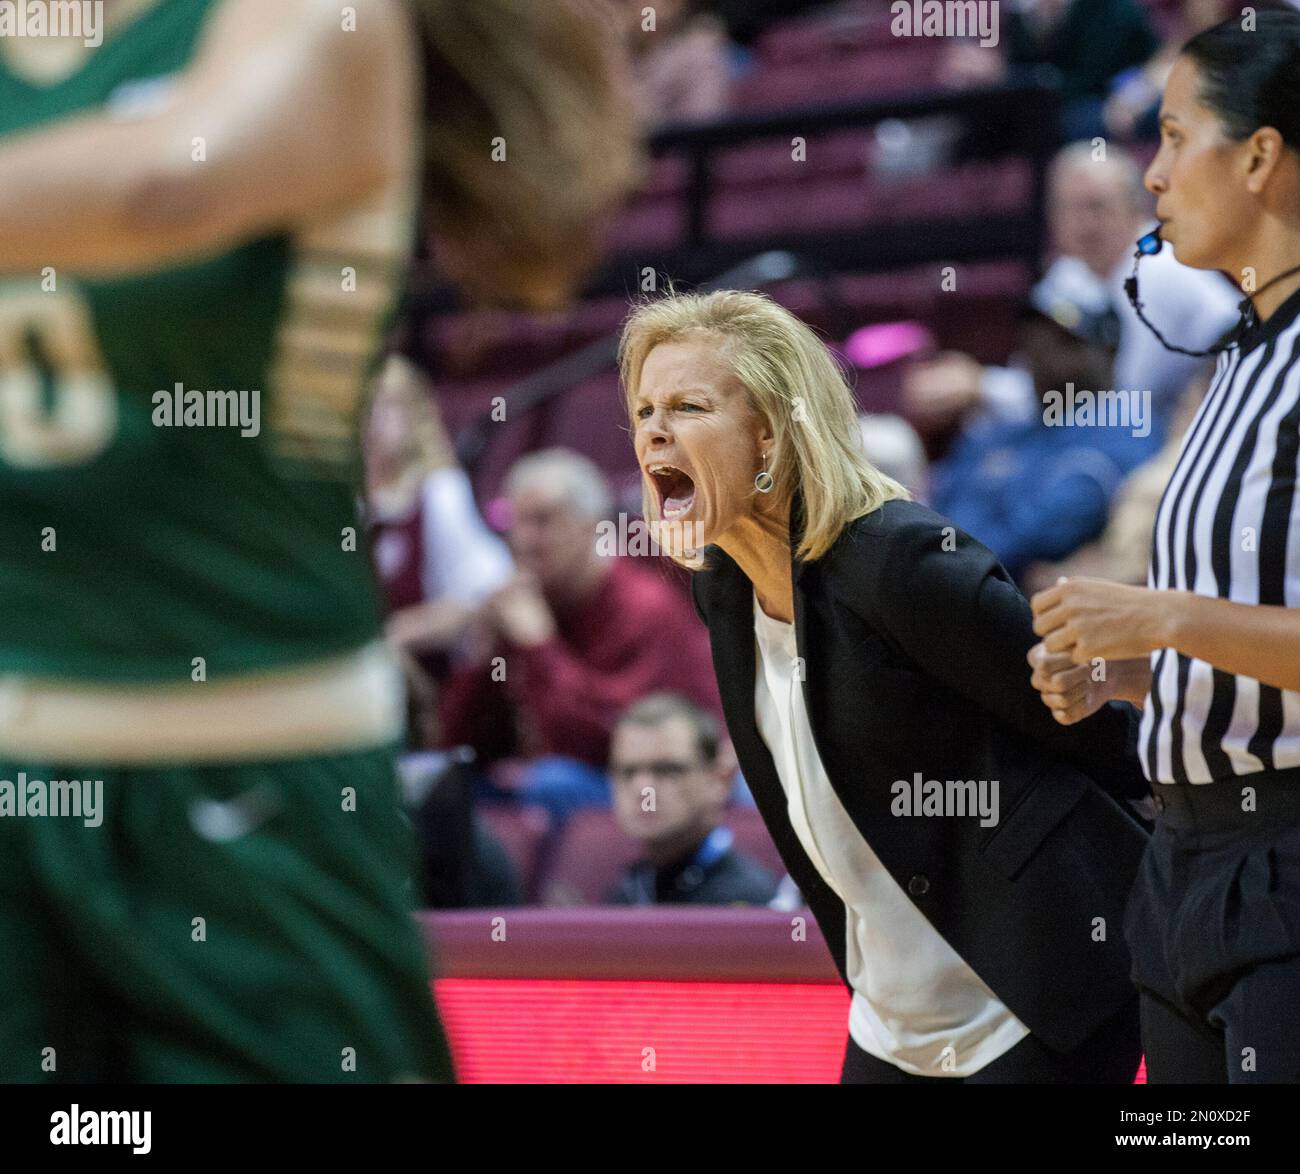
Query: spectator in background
{"points": [[671, 776], [1097, 208], [435, 558], [878, 356], [569, 642], [1132, 109], [680, 62], [1123, 553], [1133, 105], [462, 863], [1081, 45], [1040, 488], [892, 445]]}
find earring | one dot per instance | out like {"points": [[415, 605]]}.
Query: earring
{"points": [[763, 481]]}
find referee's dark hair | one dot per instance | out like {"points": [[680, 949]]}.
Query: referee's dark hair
{"points": [[1251, 77]]}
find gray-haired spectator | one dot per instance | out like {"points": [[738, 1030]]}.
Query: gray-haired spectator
{"points": [[1097, 208], [576, 636]]}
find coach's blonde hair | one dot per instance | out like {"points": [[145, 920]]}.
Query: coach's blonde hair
{"points": [[547, 82], [794, 382]]}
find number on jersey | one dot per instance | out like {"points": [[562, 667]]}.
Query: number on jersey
{"points": [[58, 406]]}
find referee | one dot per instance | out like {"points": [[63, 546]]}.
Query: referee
{"points": [[1211, 647]]}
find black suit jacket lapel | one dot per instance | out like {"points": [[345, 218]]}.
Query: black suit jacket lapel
{"points": [[730, 610]]}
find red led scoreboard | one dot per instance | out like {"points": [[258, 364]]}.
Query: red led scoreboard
{"points": [[700, 995], [655, 995]]}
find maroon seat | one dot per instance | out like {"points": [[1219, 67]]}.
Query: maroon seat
{"points": [[522, 832], [696, 944], [903, 67], [648, 220], [814, 37], [588, 860], [978, 317], [666, 176], [844, 153], [752, 839], [592, 420], [594, 319]]}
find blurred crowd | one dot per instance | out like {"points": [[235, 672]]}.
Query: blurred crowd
{"points": [[1108, 58], [565, 720]]}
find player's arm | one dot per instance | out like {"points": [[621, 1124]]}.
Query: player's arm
{"points": [[295, 115], [1091, 618]]}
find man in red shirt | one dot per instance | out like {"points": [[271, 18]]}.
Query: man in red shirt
{"points": [[573, 639]]}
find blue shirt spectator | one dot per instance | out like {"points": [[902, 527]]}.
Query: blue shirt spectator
{"points": [[1038, 487], [1031, 490]]}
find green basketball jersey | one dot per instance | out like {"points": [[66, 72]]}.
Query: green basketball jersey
{"points": [[178, 447]]}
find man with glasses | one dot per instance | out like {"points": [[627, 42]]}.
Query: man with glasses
{"points": [[671, 776]]}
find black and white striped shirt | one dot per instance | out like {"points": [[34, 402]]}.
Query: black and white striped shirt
{"points": [[1229, 526]]}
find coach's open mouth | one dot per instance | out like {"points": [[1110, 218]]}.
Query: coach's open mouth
{"points": [[676, 489]]}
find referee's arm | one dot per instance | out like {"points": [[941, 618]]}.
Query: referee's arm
{"points": [[1249, 640], [1091, 618]]}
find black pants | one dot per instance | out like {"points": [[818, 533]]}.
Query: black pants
{"points": [[1109, 1056], [1213, 927]]}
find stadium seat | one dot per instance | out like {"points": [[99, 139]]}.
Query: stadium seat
{"points": [[523, 832], [752, 839], [588, 859]]}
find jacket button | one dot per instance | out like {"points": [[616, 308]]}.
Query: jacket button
{"points": [[919, 885]]}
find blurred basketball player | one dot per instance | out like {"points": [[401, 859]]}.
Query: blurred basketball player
{"points": [[204, 222]]}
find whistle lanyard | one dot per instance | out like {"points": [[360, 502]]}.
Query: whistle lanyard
{"points": [[1148, 246]]}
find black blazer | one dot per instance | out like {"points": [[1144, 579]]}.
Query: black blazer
{"points": [[913, 638]]}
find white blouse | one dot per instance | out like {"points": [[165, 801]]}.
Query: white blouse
{"points": [[916, 1004]]}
